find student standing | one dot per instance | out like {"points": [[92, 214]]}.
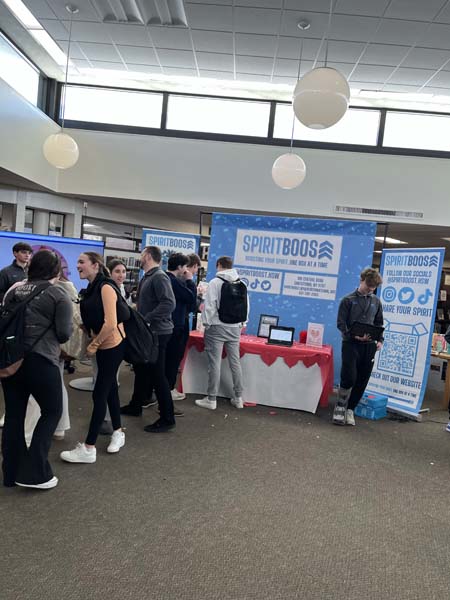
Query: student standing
{"points": [[156, 303], [224, 332], [17, 270], [48, 323], [358, 352], [103, 314]]}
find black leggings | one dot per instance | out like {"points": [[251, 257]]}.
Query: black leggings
{"points": [[106, 391], [357, 365], [40, 377]]}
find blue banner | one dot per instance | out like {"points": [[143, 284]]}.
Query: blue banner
{"points": [[297, 269], [411, 281], [170, 242]]}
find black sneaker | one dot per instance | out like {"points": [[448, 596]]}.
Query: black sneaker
{"points": [[150, 403], [176, 411], [131, 410], [159, 427]]}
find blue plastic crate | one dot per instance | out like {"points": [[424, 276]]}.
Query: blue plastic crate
{"points": [[373, 400], [370, 413]]}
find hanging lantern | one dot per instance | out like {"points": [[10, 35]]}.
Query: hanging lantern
{"points": [[288, 171], [61, 150], [321, 98]]}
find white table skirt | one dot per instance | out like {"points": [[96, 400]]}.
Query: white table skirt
{"points": [[298, 387]]}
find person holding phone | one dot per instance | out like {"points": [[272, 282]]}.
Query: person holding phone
{"points": [[358, 351]]}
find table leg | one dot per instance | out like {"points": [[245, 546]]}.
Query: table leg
{"points": [[447, 387]]}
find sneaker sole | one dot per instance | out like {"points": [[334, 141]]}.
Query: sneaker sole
{"points": [[39, 486], [71, 460], [207, 407], [115, 450]]}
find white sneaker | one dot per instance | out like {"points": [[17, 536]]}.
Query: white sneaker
{"points": [[117, 441], [80, 454], [237, 402], [206, 403], [176, 395], [47, 485], [2, 420], [349, 417]]}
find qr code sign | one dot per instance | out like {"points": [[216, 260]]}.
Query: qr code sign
{"points": [[398, 354]]}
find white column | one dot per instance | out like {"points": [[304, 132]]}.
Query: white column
{"points": [[40, 222], [20, 210], [8, 217]]}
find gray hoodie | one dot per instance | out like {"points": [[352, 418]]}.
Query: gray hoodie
{"points": [[210, 315], [49, 315]]}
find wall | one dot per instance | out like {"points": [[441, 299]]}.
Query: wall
{"points": [[73, 208], [238, 176], [24, 128], [218, 175]]}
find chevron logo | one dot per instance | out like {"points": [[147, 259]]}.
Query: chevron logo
{"points": [[326, 250], [434, 261]]}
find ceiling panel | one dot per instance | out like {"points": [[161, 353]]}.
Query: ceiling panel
{"points": [[180, 72], [216, 62], [423, 58], [172, 38], [227, 75], [289, 47], [128, 35], [106, 52], [138, 55], [40, 9], [213, 41], [256, 45], [407, 76], [436, 36], [86, 10], [286, 67], [109, 66], [420, 10], [254, 20], [259, 65], [261, 3], [441, 79], [177, 58], [210, 17], [368, 8], [381, 54], [371, 73], [400, 32]]}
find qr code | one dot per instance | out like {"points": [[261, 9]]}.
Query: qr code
{"points": [[398, 354]]}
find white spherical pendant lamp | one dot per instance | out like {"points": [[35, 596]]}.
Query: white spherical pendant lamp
{"points": [[288, 171], [61, 150], [321, 98]]}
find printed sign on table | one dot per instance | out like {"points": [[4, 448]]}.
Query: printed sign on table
{"points": [[409, 295], [170, 242], [296, 268]]}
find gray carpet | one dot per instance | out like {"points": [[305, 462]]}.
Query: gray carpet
{"points": [[237, 505]]}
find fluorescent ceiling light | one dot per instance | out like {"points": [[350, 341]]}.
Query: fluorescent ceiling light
{"points": [[18, 8], [50, 45], [205, 244], [377, 251], [388, 240], [21, 12], [88, 225]]}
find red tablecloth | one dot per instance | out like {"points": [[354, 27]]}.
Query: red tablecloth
{"points": [[291, 355]]}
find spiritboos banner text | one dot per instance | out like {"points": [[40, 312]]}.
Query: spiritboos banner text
{"points": [[170, 242], [298, 269], [411, 279]]}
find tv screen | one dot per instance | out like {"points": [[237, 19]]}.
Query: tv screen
{"points": [[68, 249]]}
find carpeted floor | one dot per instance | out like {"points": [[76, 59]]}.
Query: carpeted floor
{"points": [[237, 505]]}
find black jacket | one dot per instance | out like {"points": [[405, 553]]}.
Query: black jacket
{"points": [[91, 304], [156, 300], [185, 294], [9, 276], [356, 308]]}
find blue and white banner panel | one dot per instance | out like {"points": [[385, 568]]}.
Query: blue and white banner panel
{"points": [[170, 242], [411, 281], [68, 250], [298, 269]]}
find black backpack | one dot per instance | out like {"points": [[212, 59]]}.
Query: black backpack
{"points": [[233, 306], [141, 343], [12, 333]]}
